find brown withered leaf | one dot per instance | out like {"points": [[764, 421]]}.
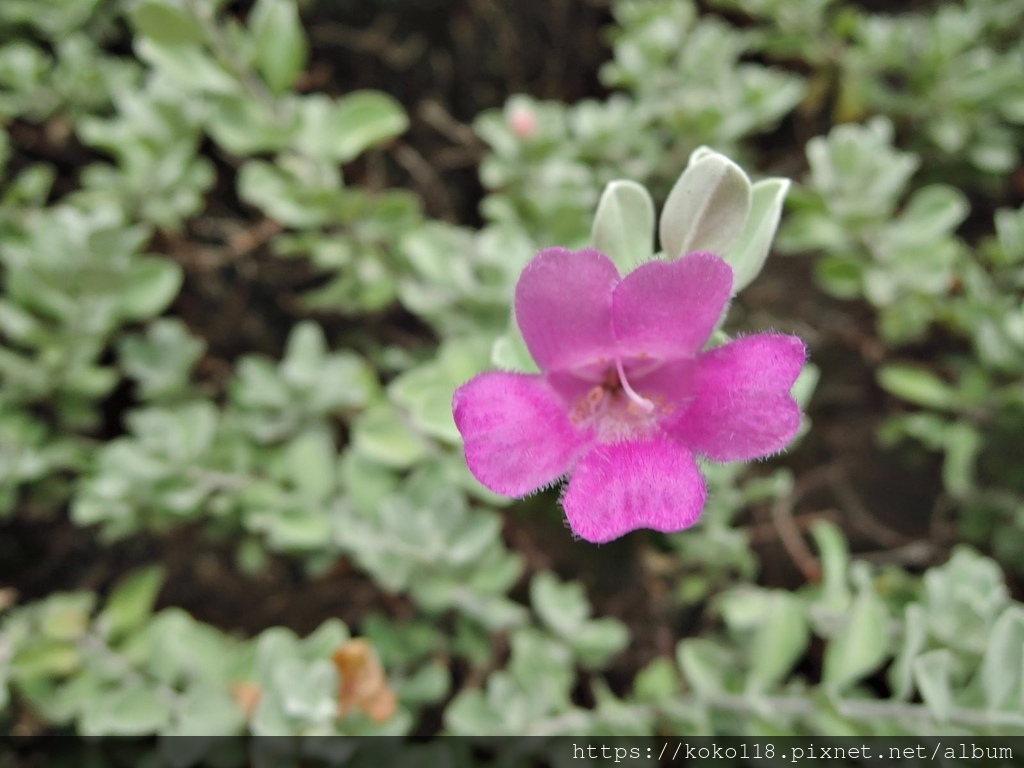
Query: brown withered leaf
{"points": [[364, 685]]}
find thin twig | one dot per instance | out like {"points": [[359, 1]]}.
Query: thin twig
{"points": [[860, 515], [792, 541]]}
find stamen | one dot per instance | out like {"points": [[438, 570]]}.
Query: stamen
{"points": [[642, 402]]}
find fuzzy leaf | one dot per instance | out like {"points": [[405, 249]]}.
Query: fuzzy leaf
{"points": [[860, 646], [1002, 670], [748, 255], [281, 47], [780, 640], [623, 226], [918, 386], [707, 208], [166, 24], [132, 601], [931, 673], [364, 119]]}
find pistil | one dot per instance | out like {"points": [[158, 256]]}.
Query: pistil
{"points": [[641, 402]]}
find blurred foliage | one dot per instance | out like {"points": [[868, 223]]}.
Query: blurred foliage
{"points": [[159, 120]]}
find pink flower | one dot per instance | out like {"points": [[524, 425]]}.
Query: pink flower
{"points": [[523, 122], [626, 399]]}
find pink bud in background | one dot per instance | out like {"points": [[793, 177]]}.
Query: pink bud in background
{"points": [[523, 122]]}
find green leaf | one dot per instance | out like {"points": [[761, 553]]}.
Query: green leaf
{"points": [[562, 607], [842, 276], [932, 674], [428, 685], [936, 209], [133, 710], [204, 710], [707, 208], [1010, 233], [859, 648], [623, 226], [65, 616], [281, 47], [835, 560], [657, 681], [471, 714], [152, 285], [363, 119], [131, 603], [510, 352], [45, 658], [598, 641], [1002, 669], [705, 665], [166, 23], [963, 444], [915, 635], [748, 255], [779, 641], [380, 434], [918, 386], [188, 67], [307, 691], [311, 459], [5, 154], [305, 355]]}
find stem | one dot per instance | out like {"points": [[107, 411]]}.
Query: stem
{"points": [[798, 706]]}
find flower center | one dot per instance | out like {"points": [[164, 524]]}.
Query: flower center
{"points": [[615, 409]]}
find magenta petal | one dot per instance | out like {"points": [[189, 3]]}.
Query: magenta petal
{"points": [[620, 487], [564, 307], [741, 407], [517, 432], [668, 309]]}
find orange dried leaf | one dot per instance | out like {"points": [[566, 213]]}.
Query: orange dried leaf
{"points": [[364, 684], [247, 695]]}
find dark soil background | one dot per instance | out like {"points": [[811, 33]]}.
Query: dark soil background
{"points": [[447, 62]]}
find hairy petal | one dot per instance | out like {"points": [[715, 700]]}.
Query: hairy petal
{"points": [[668, 309], [517, 433], [564, 307], [620, 487], [741, 407]]}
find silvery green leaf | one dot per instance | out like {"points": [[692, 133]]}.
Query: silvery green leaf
{"points": [[307, 691], [281, 47], [835, 560], [963, 444], [382, 435], [166, 23], [562, 607], [510, 352], [748, 255], [699, 154], [918, 386], [132, 601], [931, 674], [132, 710], [705, 665], [363, 119], [1010, 232], [1002, 670], [859, 648], [915, 635], [310, 461], [706, 209], [624, 224], [780, 640]]}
